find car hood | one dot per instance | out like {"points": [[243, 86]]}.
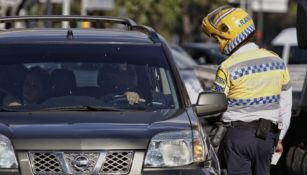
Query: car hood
{"points": [[89, 130]]}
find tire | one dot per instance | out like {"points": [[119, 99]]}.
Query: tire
{"points": [[289, 159], [296, 160]]}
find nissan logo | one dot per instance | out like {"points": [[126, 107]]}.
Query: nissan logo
{"points": [[81, 163]]}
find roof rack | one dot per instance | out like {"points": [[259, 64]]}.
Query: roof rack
{"points": [[124, 21], [131, 25], [147, 30]]}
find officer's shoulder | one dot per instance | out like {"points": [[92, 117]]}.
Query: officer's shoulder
{"points": [[271, 52], [224, 65], [275, 55]]}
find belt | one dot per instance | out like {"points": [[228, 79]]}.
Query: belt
{"points": [[253, 124]]}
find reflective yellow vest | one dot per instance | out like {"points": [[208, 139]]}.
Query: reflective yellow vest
{"points": [[252, 78]]}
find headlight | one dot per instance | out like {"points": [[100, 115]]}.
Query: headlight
{"points": [[172, 149], [7, 154]]}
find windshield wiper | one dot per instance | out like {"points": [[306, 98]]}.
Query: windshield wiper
{"points": [[81, 108]]}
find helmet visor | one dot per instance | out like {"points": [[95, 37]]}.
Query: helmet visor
{"points": [[217, 15]]}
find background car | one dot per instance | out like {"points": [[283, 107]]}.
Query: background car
{"points": [[201, 77], [208, 57], [186, 67], [204, 53]]}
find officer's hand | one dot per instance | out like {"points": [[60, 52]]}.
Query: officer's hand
{"points": [[134, 97], [279, 147]]}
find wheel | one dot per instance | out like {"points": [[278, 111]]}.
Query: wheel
{"points": [[119, 100], [296, 160]]}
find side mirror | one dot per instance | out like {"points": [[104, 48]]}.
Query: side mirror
{"points": [[211, 103]]}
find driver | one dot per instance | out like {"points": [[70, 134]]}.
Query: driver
{"points": [[36, 88], [119, 79]]}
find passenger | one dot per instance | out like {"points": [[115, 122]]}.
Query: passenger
{"points": [[37, 86], [11, 81], [257, 85], [120, 79], [12, 77]]}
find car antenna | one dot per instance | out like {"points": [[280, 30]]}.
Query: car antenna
{"points": [[70, 34]]}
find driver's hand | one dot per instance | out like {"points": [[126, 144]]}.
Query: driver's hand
{"points": [[134, 97], [9, 100]]}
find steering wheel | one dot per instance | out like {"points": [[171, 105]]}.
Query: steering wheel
{"points": [[12, 99], [122, 100], [119, 99]]}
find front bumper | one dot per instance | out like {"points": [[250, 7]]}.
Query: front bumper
{"points": [[189, 170], [136, 167]]}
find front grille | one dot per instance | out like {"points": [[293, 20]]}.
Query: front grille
{"points": [[45, 163], [92, 158], [80, 163], [117, 163]]}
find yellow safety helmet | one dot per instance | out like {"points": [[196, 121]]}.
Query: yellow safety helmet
{"points": [[230, 26]]}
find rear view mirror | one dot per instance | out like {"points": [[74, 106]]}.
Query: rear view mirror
{"points": [[301, 24], [211, 103]]}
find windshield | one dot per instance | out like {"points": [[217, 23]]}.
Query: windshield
{"points": [[64, 80]]}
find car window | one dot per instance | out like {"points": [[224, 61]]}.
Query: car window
{"points": [[296, 55], [35, 82], [278, 50]]}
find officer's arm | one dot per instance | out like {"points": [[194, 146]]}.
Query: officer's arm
{"points": [[285, 104], [221, 83]]}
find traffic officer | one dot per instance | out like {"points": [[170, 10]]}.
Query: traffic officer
{"points": [[257, 85]]}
